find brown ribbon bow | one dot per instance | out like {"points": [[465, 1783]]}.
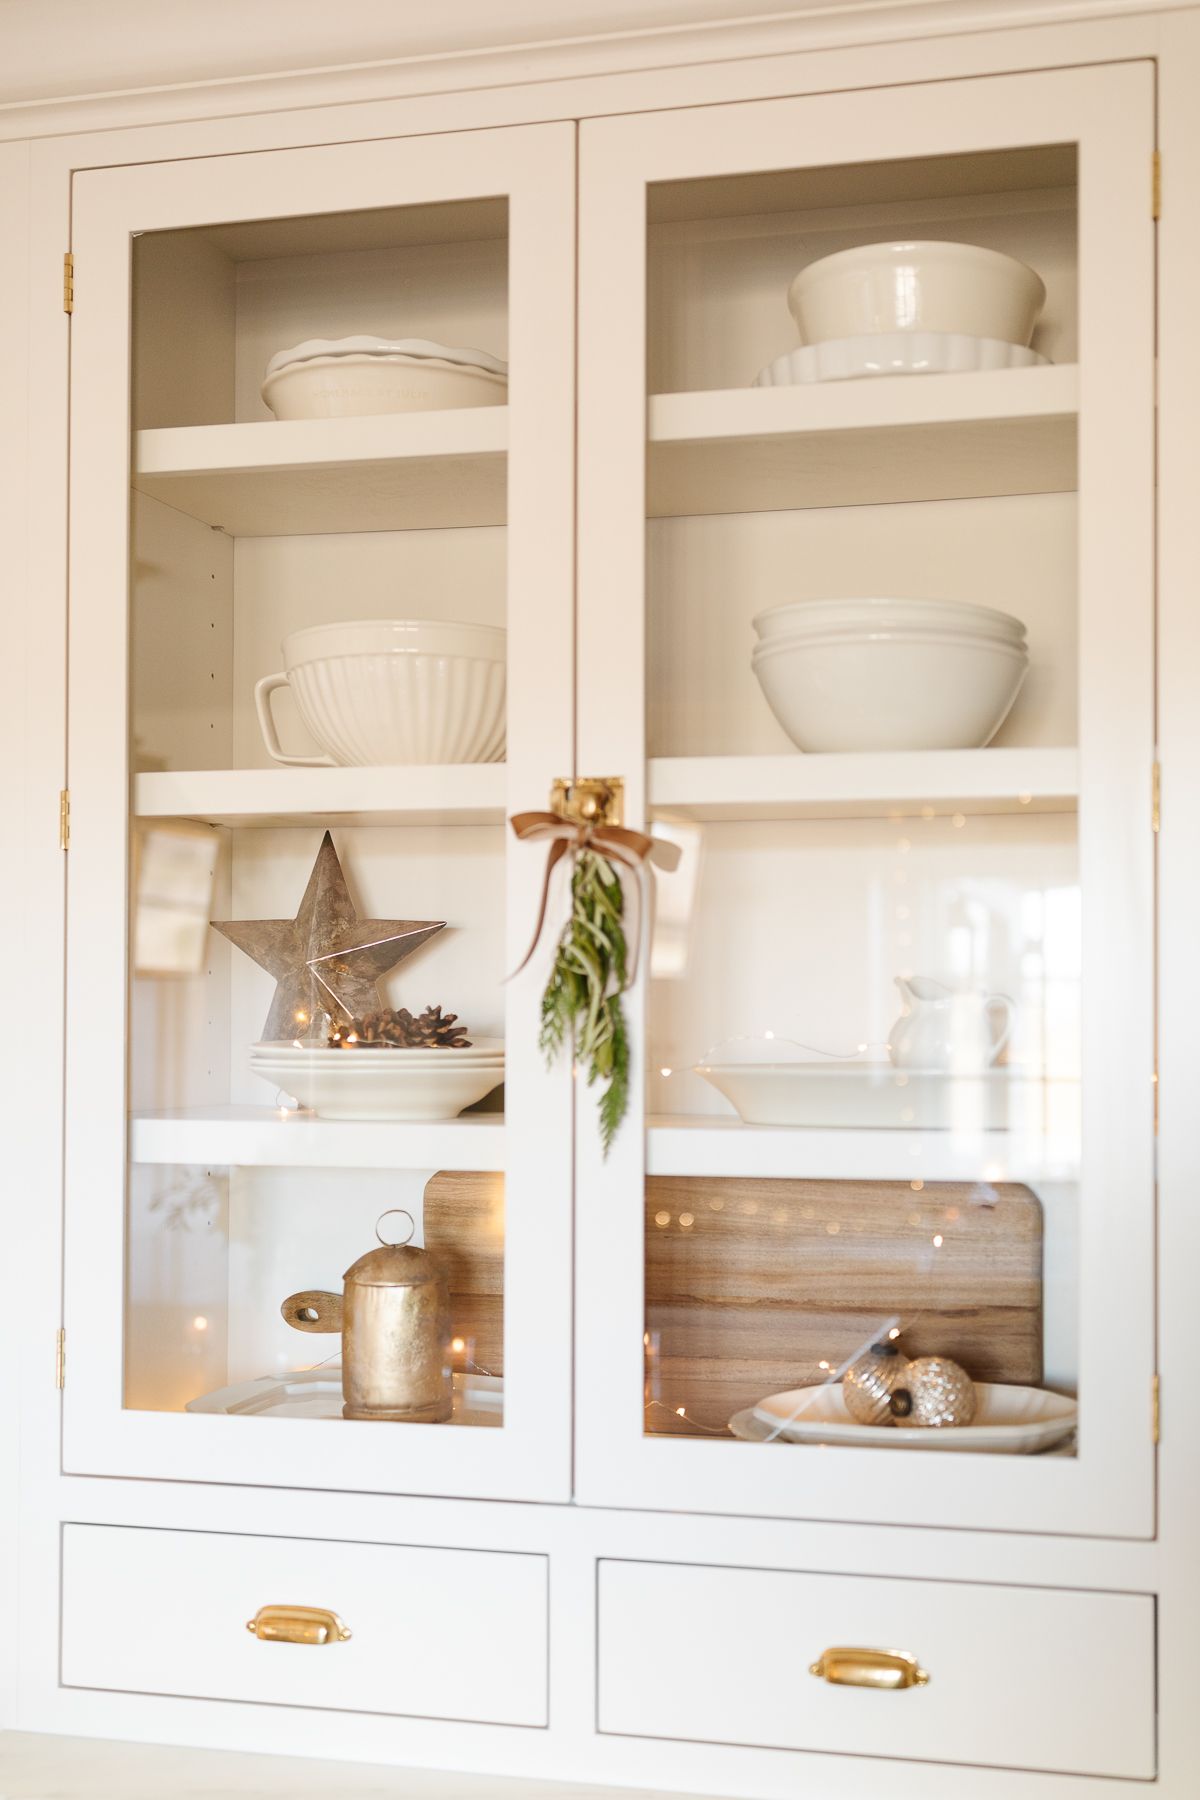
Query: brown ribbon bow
{"points": [[628, 850]]}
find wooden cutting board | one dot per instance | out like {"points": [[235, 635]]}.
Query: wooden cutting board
{"points": [[464, 1223], [752, 1284]]}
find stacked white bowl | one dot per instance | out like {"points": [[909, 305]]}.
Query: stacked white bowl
{"points": [[912, 307], [382, 1082], [392, 691], [889, 674], [337, 378]]}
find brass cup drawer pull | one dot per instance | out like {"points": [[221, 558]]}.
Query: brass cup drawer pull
{"points": [[297, 1625], [869, 1668]]}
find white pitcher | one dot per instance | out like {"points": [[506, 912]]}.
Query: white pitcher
{"points": [[946, 1031]]}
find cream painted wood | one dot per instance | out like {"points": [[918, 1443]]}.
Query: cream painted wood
{"points": [[1108, 1486], [1050, 1680], [261, 1136], [162, 1612], [900, 784], [425, 470], [529, 1456], [435, 793]]}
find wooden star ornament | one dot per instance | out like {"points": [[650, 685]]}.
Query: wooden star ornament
{"points": [[326, 959]]}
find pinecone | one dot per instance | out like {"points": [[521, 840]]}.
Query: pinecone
{"points": [[434, 1030]]}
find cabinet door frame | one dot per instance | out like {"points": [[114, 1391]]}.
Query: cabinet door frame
{"points": [[529, 1457], [1109, 110]]}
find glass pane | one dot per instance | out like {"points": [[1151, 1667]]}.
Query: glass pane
{"points": [[865, 1016], [317, 630]]}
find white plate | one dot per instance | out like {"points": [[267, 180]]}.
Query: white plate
{"points": [[382, 1084], [378, 346], [317, 1394], [1016, 1421], [479, 1050], [894, 353], [820, 1096]]}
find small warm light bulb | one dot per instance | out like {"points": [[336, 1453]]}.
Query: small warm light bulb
{"points": [[664, 1071], [687, 1220], [916, 1185], [199, 1323], [458, 1345], [352, 1037], [681, 1412], [300, 1016], [823, 1365], [894, 1332], [1024, 799], [938, 1241]]}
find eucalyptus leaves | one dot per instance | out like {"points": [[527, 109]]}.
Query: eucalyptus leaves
{"points": [[583, 993]]}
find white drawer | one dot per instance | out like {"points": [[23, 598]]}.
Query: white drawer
{"points": [[1022, 1678], [165, 1612]]}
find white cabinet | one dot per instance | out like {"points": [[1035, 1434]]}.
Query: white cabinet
{"points": [[1021, 870], [197, 1198]]}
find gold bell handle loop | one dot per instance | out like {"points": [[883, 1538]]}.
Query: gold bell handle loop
{"points": [[297, 1625], [856, 1667], [391, 1213], [313, 1309]]}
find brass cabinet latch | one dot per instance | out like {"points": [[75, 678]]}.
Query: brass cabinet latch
{"points": [[591, 800], [869, 1668], [297, 1625]]}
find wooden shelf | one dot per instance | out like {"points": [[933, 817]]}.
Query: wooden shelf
{"points": [[679, 1145], [864, 785], [860, 443], [425, 794], [258, 1136], [396, 472]]}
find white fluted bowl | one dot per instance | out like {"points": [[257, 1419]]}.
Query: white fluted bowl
{"points": [[917, 286], [820, 617], [381, 1084], [383, 692], [890, 690]]}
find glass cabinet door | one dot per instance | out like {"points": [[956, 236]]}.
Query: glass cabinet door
{"points": [[321, 561], [866, 592]]}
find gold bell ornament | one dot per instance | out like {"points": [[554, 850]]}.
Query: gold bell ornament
{"points": [[870, 1385], [394, 1317]]}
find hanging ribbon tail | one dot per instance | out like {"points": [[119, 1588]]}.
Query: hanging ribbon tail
{"points": [[557, 851]]}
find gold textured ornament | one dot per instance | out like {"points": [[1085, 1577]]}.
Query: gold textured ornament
{"points": [[394, 1318], [325, 960], [941, 1391], [869, 1384]]}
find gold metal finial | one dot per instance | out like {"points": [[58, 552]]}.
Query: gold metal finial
{"points": [[591, 800]]}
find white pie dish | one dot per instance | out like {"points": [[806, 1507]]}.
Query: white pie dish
{"points": [[873, 1096], [817, 617], [917, 285], [387, 692], [317, 1394], [365, 345], [1014, 1421], [890, 690], [354, 386], [894, 353], [378, 1084]]}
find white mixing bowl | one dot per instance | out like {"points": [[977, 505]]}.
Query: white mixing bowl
{"points": [[890, 690], [917, 286], [886, 614], [392, 691]]}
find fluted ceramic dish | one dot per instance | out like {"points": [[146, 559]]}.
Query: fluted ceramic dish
{"points": [[401, 1085], [894, 353], [392, 691], [351, 377], [1012, 1421], [886, 613], [917, 285]]}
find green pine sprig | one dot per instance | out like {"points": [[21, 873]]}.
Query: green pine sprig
{"points": [[583, 994]]}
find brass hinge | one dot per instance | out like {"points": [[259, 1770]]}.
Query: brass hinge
{"points": [[1156, 185], [60, 1359], [68, 283], [1155, 1432], [64, 818], [1156, 797]]}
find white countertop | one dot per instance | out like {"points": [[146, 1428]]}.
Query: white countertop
{"points": [[64, 1768]]}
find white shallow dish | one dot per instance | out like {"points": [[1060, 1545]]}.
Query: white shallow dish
{"points": [[917, 285], [379, 1084], [1013, 1421], [479, 1050], [317, 1394], [872, 1096], [365, 345], [895, 353], [343, 387], [890, 690], [388, 692], [886, 613]]}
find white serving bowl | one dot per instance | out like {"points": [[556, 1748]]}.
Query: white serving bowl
{"points": [[350, 377], [860, 1095], [891, 690], [820, 617], [917, 286], [378, 1084], [392, 691]]}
